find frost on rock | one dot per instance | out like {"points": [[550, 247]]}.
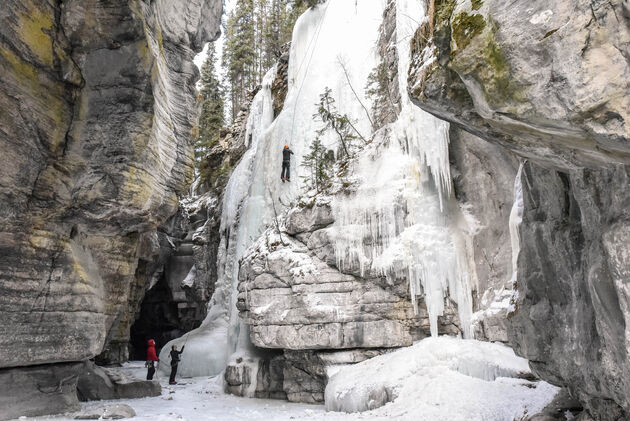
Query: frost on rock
{"points": [[440, 379], [402, 222]]}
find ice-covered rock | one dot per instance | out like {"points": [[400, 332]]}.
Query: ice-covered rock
{"points": [[293, 300]]}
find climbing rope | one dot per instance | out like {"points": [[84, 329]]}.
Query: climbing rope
{"points": [[314, 38]]}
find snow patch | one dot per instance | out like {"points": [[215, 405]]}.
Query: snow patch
{"points": [[440, 379]]}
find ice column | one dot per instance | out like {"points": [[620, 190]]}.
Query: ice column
{"points": [[516, 218], [209, 346], [402, 221]]}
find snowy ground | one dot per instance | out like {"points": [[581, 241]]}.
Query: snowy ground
{"points": [[202, 399], [436, 379]]}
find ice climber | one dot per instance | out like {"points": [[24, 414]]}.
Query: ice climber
{"points": [[174, 362], [151, 359], [286, 164]]}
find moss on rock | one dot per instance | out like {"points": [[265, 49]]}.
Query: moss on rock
{"points": [[466, 27], [35, 32], [443, 11]]}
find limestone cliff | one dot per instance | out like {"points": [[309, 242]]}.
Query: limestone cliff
{"points": [[98, 112], [550, 81]]}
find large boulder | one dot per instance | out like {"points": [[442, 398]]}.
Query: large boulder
{"points": [[101, 383], [43, 389]]}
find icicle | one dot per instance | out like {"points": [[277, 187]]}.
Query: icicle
{"points": [[516, 218], [398, 224]]}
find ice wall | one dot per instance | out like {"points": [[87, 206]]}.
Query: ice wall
{"points": [[209, 346], [402, 222], [516, 218], [339, 31]]}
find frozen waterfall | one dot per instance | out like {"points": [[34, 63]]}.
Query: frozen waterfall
{"points": [[402, 221]]}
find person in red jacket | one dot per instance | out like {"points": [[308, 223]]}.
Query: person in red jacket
{"points": [[151, 359]]}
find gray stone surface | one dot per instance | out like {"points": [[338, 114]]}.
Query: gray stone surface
{"points": [[573, 271], [36, 390], [102, 383], [106, 412], [308, 218], [483, 180], [549, 81], [260, 377], [98, 105], [546, 79]]}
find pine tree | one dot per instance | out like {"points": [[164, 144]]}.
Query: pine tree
{"points": [[212, 117], [377, 88], [239, 53], [319, 166], [340, 124], [255, 34]]}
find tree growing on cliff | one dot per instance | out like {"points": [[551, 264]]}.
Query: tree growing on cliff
{"points": [[377, 89], [319, 166], [212, 115], [350, 139]]}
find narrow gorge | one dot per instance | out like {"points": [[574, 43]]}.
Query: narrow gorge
{"points": [[454, 242]]}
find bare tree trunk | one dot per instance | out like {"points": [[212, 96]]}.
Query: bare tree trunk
{"points": [[431, 16]]}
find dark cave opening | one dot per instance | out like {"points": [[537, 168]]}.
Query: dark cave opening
{"points": [[158, 320]]}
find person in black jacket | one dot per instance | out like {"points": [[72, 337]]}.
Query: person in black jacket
{"points": [[174, 361], [286, 164]]}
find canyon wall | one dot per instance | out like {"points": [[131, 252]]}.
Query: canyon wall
{"points": [[550, 82], [99, 107]]}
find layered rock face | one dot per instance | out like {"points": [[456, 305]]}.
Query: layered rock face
{"points": [[99, 105], [293, 296], [550, 82]]}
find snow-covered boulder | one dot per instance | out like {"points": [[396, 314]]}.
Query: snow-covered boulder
{"points": [[441, 379]]}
